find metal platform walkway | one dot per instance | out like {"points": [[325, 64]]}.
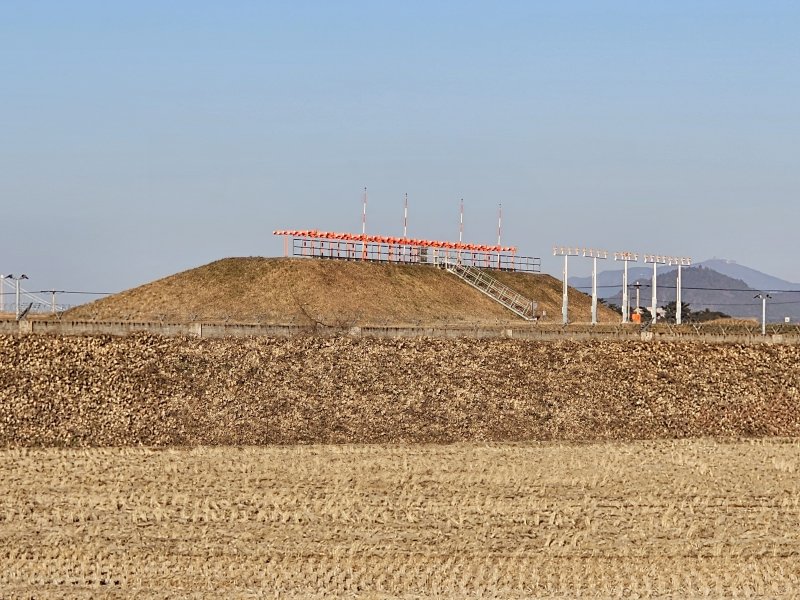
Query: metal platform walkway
{"points": [[483, 282]]}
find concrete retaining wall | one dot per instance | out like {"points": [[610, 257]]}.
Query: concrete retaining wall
{"points": [[535, 332]]}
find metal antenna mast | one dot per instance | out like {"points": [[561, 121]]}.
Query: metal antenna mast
{"points": [[626, 257], [566, 252], [499, 222], [656, 260], [405, 218], [364, 227], [594, 255]]}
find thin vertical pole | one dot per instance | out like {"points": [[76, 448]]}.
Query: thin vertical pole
{"points": [[499, 231], [461, 229], [565, 298], [594, 290], [17, 288], [678, 298], [625, 292], [53, 302], [461, 223], [655, 301], [364, 227], [637, 295], [764, 315], [499, 222], [405, 218]]}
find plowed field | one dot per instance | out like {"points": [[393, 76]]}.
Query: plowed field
{"points": [[680, 519]]}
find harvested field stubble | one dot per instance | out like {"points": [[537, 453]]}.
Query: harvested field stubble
{"points": [[677, 519], [160, 391]]}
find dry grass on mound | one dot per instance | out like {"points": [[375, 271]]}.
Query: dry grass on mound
{"points": [[660, 519], [331, 292]]}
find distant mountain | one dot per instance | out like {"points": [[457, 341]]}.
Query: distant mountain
{"points": [[755, 279], [705, 288], [609, 279]]}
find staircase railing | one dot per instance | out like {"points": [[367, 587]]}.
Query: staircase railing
{"points": [[488, 285]]}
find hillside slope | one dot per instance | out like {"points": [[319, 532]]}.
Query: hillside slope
{"points": [[338, 293]]}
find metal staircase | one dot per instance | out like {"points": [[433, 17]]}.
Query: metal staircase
{"points": [[499, 292]]}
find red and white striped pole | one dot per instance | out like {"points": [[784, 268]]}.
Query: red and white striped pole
{"points": [[364, 227], [499, 222], [405, 218], [499, 230], [461, 228], [461, 223]]}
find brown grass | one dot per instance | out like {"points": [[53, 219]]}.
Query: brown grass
{"points": [[327, 291], [660, 519], [153, 390]]}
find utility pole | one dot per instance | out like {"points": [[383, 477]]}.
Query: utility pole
{"points": [[656, 260], [566, 252], [681, 262], [763, 298], [637, 285], [626, 257], [594, 255], [53, 299]]}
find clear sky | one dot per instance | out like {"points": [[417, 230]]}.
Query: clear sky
{"points": [[142, 138]]}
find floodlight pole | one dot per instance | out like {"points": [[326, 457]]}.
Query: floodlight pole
{"points": [[566, 252], [625, 257], [594, 255], [763, 298], [681, 262], [16, 281], [656, 260]]}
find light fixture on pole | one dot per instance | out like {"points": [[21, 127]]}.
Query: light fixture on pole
{"points": [[16, 281], [566, 252], [763, 298], [680, 261], [594, 254], [656, 260], [626, 257]]}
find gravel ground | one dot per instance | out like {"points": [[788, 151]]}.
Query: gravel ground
{"points": [[161, 391]]}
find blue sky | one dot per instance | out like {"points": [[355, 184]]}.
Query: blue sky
{"points": [[139, 139]]}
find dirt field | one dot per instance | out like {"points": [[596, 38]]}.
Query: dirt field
{"points": [[330, 292], [676, 519], [163, 391]]}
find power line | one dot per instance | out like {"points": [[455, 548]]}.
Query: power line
{"points": [[710, 289], [71, 292]]}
